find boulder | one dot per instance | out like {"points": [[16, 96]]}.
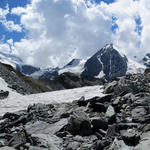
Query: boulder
{"points": [[79, 124], [99, 123], [98, 107], [73, 145], [3, 94], [131, 138]]}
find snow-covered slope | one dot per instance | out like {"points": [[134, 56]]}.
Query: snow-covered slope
{"points": [[15, 101], [10, 59], [135, 67], [75, 66]]}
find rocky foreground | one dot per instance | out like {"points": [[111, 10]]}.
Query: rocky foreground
{"points": [[118, 121]]}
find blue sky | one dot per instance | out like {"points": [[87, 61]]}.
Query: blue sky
{"points": [[4, 33]]}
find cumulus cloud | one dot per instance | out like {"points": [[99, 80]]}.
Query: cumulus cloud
{"points": [[59, 30], [8, 24]]}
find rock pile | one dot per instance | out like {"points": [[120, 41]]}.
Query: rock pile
{"points": [[119, 120]]}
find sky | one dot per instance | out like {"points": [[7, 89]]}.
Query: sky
{"points": [[49, 33]]}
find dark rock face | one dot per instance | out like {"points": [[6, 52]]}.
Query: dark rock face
{"points": [[27, 69], [146, 60], [70, 80], [79, 123], [14, 81], [3, 94], [107, 60]]}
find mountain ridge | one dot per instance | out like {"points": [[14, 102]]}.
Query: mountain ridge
{"points": [[106, 63]]}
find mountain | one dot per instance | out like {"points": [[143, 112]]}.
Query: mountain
{"points": [[75, 66], [146, 60], [27, 69], [107, 62]]}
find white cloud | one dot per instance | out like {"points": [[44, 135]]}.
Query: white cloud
{"points": [[4, 12], [11, 26], [59, 30], [8, 24], [18, 11]]}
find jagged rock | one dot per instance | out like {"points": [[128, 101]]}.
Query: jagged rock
{"points": [[109, 87], [111, 115], [111, 131], [125, 126], [110, 112], [118, 145], [3, 94], [146, 128], [40, 111], [103, 99], [78, 138], [144, 142], [41, 127], [79, 124], [73, 145], [14, 116], [18, 139], [99, 123], [21, 120], [100, 145], [82, 102], [98, 107], [138, 114], [131, 138], [47, 141]]}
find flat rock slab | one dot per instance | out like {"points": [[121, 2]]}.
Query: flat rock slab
{"points": [[7, 148], [41, 127]]}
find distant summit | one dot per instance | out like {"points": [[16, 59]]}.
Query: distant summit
{"points": [[107, 62]]}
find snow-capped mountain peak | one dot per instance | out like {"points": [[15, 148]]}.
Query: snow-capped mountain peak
{"points": [[75, 66]]}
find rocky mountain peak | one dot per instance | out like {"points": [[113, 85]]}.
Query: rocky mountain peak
{"points": [[107, 62]]}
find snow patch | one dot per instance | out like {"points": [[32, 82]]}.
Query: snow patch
{"points": [[76, 67], [135, 67], [16, 102]]}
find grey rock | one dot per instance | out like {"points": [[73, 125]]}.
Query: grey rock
{"points": [[79, 124], [47, 141], [41, 127], [110, 112], [38, 148], [99, 123], [6, 148], [73, 145], [109, 87], [139, 114], [131, 138]]}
